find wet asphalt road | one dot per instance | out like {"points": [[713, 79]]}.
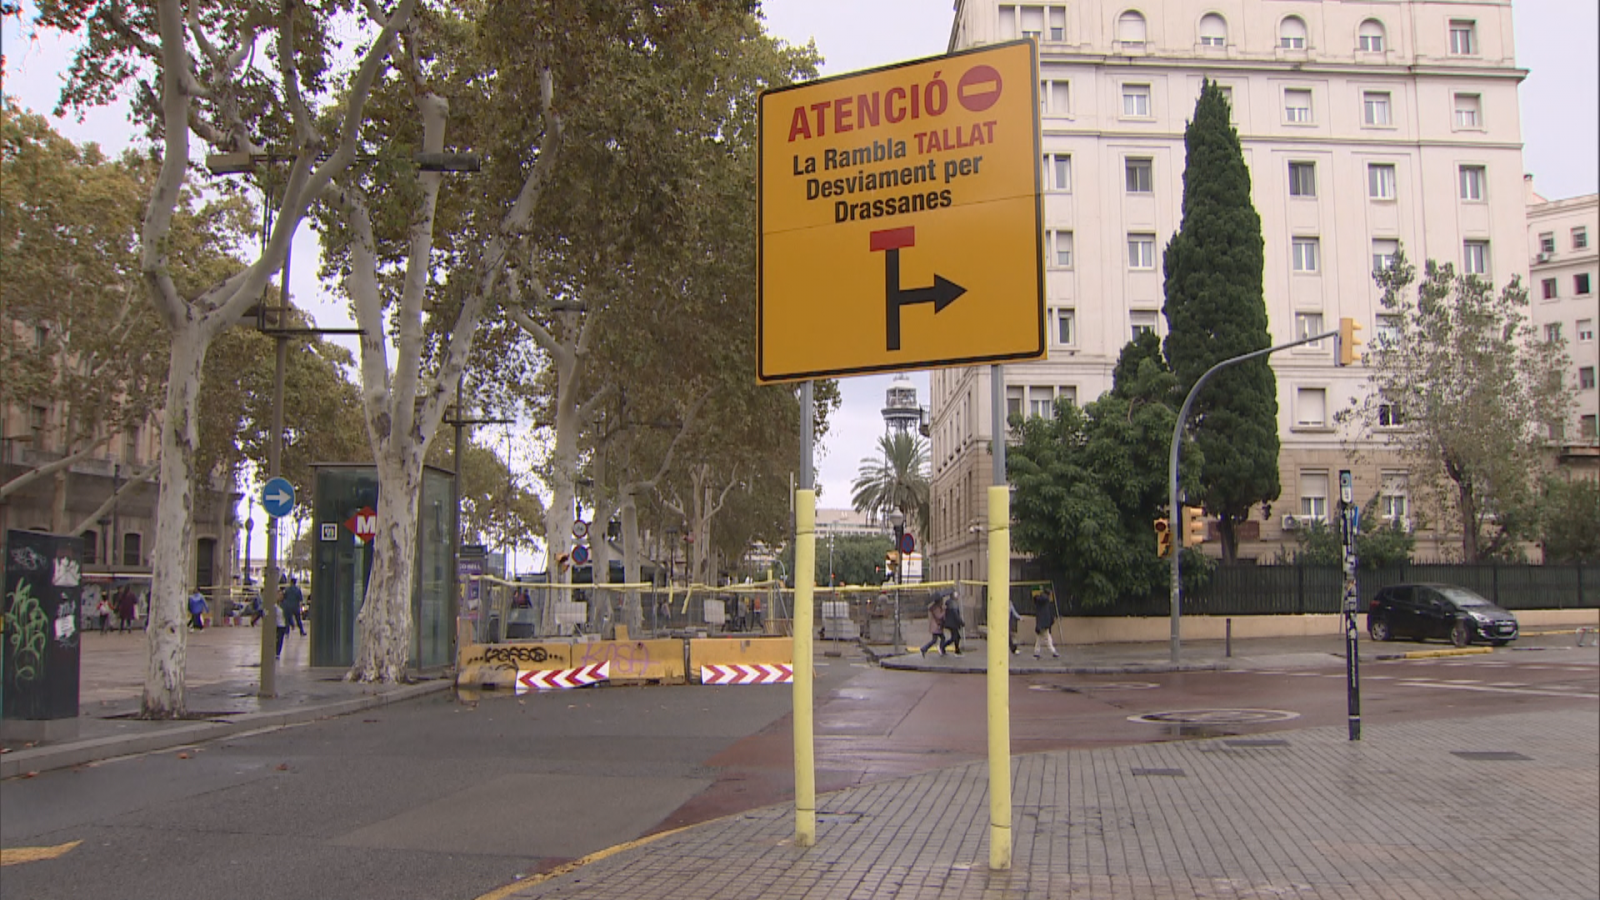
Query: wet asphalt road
{"points": [[440, 798]]}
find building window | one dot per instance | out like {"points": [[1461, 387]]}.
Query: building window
{"points": [[1138, 175], [1388, 331], [1060, 247], [1585, 330], [1037, 22], [1314, 495], [1130, 28], [1042, 402], [1292, 33], [1390, 415], [1586, 378], [1370, 36], [1589, 426], [1055, 98], [39, 424], [1306, 325], [1552, 332], [91, 547], [1213, 31], [1580, 283], [1468, 111], [1463, 37], [132, 554], [1141, 251], [1580, 238], [1392, 498], [1549, 288], [1475, 257], [1472, 182], [1311, 407], [1383, 253], [1013, 400], [1305, 254], [1547, 242], [1058, 172], [1375, 107], [1302, 179], [1142, 322], [1380, 181], [41, 336], [1067, 394], [1136, 101], [1065, 320], [1297, 106]]}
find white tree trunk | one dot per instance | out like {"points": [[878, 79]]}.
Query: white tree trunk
{"points": [[558, 515], [383, 627], [172, 557]]}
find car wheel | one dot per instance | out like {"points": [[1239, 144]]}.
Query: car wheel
{"points": [[1461, 635], [1379, 629]]}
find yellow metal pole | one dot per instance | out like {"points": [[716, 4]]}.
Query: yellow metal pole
{"points": [[999, 677], [805, 569]]}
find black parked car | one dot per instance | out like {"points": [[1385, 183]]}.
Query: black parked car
{"points": [[1422, 611]]}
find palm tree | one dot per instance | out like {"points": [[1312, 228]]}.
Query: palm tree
{"points": [[897, 479]]}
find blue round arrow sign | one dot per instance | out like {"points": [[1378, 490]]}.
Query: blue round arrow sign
{"points": [[277, 497]]}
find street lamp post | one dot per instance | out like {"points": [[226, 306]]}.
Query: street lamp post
{"points": [[898, 520]]}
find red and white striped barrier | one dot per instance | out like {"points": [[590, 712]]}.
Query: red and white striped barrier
{"points": [[747, 674], [561, 679]]}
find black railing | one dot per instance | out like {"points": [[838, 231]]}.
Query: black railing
{"points": [[1289, 590]]}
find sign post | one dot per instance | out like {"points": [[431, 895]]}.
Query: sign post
{"points": [[902, 229], [1349, 527]]}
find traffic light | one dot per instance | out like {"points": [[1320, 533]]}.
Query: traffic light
{"points": [[1194, 526], [1348, 342], [1163, 538]]}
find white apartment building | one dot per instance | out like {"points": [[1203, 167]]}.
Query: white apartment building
{"points": [[1564, 292], [1365, 126]]}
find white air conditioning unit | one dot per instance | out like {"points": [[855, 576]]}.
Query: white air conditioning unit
{"points": [[1291, 523], [1542, 257]]}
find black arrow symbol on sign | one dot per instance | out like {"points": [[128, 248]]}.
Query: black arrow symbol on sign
{"points": [[943, 292]]}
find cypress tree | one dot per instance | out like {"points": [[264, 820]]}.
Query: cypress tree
{"points": [[1215, 309]]}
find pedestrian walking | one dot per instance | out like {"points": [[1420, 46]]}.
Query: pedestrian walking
{"points": [[103, 610], [293, 599], [935, 624], [953, 621], [197, 610], [280, 617], [1011, 630], [126, 608], [256, 612], [1044, 616]]}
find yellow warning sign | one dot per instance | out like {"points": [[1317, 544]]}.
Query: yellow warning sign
{"points": [[901, 225]]}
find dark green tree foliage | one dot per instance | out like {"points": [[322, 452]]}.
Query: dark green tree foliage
{"points": [[1215, 310], [1382, 544], [1570, 521], [1087, 484]]}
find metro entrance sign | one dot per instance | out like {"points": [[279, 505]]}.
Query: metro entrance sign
{"points": [[901, 225]]}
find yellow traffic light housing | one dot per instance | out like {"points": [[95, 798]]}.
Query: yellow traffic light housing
{"points": [[1194, 526], [1348, 342], [1163, 538]]}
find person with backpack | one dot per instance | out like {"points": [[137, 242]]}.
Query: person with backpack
{"points": [[953, 621], [197, 610]]}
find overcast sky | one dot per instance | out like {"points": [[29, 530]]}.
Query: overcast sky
{"points": [[1561, 130]]}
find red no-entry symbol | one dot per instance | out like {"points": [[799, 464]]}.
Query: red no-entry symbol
{"points": [[979, 88]]}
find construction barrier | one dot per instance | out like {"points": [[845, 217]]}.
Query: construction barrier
{"points": [[764, 651]]}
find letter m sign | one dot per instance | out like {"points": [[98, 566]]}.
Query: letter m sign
{"points": [[364, 524]]}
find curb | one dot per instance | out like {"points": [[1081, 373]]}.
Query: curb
{"points": [[1118, 669], [77, 753], [1434, 654]]}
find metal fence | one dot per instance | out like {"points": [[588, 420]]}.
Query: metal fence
{"points": [[512, 611], [1293, 589]]}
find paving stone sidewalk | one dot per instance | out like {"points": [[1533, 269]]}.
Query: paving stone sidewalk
{"points": [[1498, 808]]}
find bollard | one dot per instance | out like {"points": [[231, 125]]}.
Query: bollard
{"points": [[1227, 638]]}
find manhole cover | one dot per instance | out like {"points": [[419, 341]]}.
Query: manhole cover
{"points": [[1216, 717], [1094, 688], [1491, 755]]}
